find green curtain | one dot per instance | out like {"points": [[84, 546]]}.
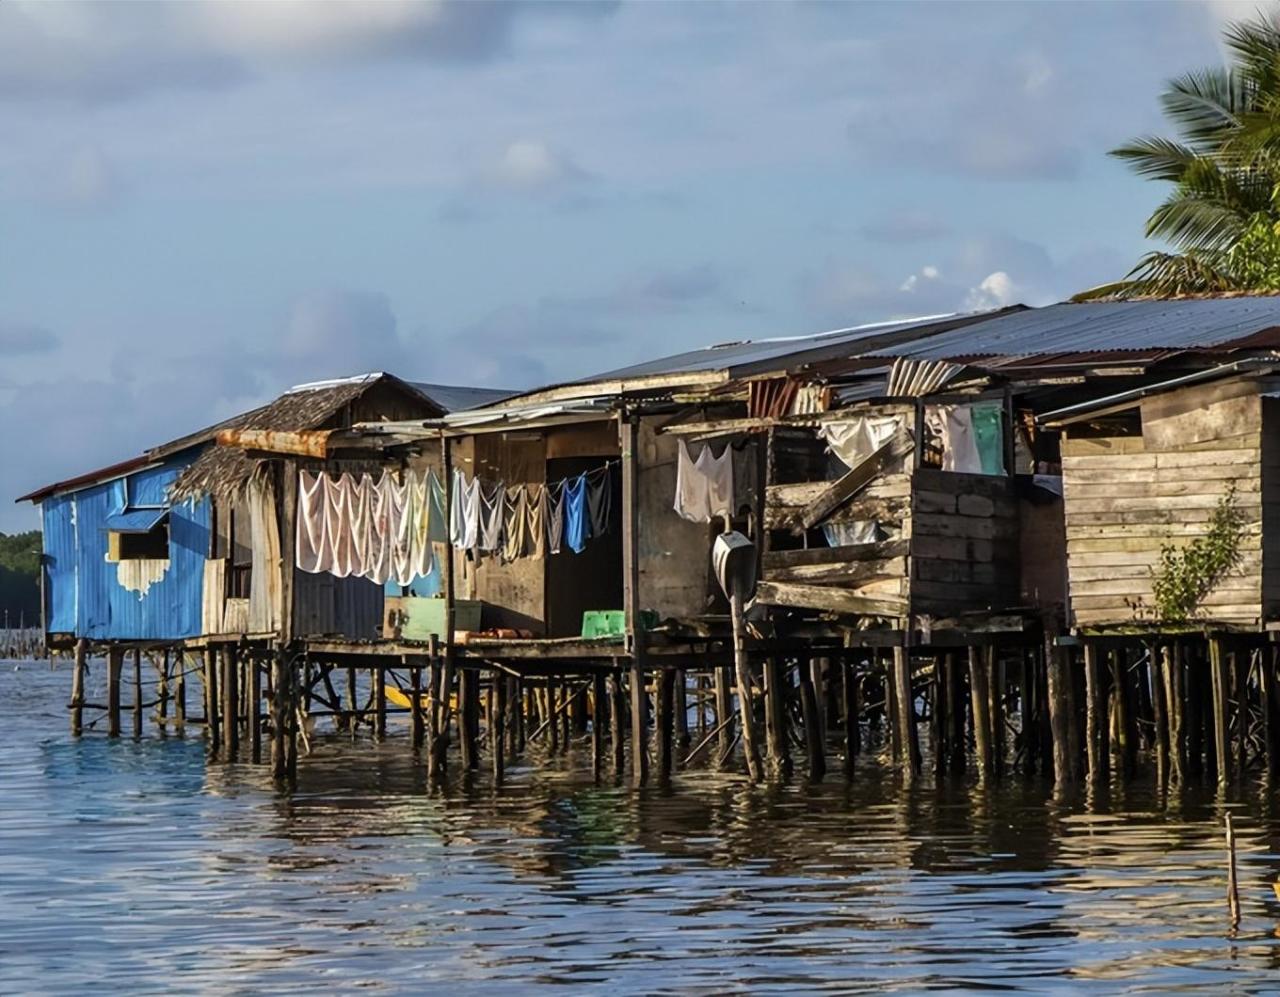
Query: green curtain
{"points": [[988, 434]]}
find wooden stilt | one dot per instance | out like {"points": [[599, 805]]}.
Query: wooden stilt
{"points": [[598, 695], [77, 686], [742, 668], [379, 702], [230, 703], [279, 719], [137, 693], [353, 718], [665, 723], [905, 705], [212, 704], [957, 708], [1270, 709], [1122, 698], [980, 694], [938, 714], [1239, 664], [550, 714], [255, 708], [1058, 679], [162, 693], [568, 698], [468, 703], [639, 735], [681, 709], [1157, 659], [1175, 708], [180, 691], [1095, 714], [1221, 686], [812, 715], [518, 701], [849, 691], [295, 679], [776, 737], [498, 706], [617, 722], [1193, 696], [416, 726], [723, 678]]}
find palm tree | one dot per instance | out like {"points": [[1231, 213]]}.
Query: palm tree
{"points": [[1222, 217]]}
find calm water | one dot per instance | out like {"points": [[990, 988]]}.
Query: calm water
{"points": [[140, 866]]}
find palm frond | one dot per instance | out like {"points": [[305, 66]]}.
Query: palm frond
{"points": [[1157, 158], [1206, 105]]}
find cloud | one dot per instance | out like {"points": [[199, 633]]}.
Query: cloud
{"points": [[528, 165], [93, 52], [996, 290], [20, 338], [337, 332]]}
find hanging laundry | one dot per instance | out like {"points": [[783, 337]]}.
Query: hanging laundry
{"points": [[600, 502], [536, 515], [988, 435], [437, 519], [413, 556], [555, 515], [464, 529], [339, 502], [491, 516], [704, 487], [516, 517], [575, 513], [953, 425], [312, 554], [854, 440]]}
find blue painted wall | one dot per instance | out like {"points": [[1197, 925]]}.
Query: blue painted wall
{"points": [[83, 589]]}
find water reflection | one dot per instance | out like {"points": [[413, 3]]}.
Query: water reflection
{"points": [[140, 862]]}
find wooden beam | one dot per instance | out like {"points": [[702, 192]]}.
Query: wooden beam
{"points": [[830, 599], [844, 488]]}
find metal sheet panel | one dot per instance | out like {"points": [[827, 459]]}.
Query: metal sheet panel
{"points": [[135, 520], [58, 515], [1108, 325]]}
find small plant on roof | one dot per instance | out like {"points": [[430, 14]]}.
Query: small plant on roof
{"points": [[1185, 575]]}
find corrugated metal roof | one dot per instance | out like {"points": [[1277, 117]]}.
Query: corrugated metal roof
{"points": [[727, 356], [459, 398], [1193, 323]]}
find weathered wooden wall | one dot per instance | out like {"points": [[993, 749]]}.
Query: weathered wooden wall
{"points": [[1126, 496], [964, 542]]}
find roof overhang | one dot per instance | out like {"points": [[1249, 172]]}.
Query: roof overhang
{"points": [[89, 478], [135, 520]]}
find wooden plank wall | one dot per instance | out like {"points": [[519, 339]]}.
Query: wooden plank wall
{"points": [[1126, 496], [964, 542]]}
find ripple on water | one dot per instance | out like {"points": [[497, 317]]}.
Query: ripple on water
{"points": [[141, 865]]}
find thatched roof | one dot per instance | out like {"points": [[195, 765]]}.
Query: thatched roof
{"points": [[225, 471]]}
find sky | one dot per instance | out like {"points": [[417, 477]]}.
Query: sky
{"points": [[203, 204]]}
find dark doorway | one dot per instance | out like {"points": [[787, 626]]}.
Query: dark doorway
{"points": [[591, 580]]}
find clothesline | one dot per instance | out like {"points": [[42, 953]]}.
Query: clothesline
{"points": [[384, 529]]}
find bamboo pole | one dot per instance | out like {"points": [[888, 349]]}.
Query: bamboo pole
{"points": [[906, 713], [1221, 737], [77, 686], [1233, 883], [1095, 711], [980, 697]]}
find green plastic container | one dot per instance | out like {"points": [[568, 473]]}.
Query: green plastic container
{"points": [[613, 622]]}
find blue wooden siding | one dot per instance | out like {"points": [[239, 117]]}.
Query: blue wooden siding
{"points": [[84, 591]]}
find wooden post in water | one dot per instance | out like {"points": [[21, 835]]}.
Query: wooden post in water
{"points": [[1233, 884], [77, 686], [467, 705], [137, 693], [617, 722], [980, 697], [162, 693], [1158, 666], [180, 690], [255, 708], [745, 708], [665, 724], [568, 698], [639, 749], [776, 737], [905, 706], [499, 688], [938, 713], [279, 722], [353, 718], [1175, 708], [849, 692], [812, 715], [212, 704], [230, 700], [995, 708], [1239, 662], [379, 703], [1270, 713], [597, 725], [295, 679], [115, 665], [723, 677], [1095, 714], [681, 709], [1221, 737], [956, 710], [1122, 699], [1058, 679], [415, 709]]}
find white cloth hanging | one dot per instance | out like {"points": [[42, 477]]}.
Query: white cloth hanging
{"points": [[465, 512], [704, 487], [854, 440], [491, 518], [953, 425], [312, 554]]}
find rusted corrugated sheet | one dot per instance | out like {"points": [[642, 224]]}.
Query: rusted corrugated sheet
{"points": [[304, 443]]}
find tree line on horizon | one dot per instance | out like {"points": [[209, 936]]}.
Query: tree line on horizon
{"points": [[20, 577]]}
